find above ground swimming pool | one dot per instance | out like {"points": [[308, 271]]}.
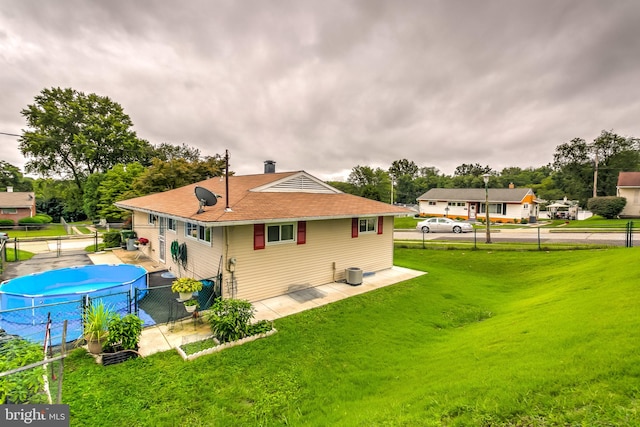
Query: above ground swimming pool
{"points": [[27, 301]]}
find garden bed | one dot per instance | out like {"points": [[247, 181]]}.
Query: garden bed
{"points": [[216, 346]]}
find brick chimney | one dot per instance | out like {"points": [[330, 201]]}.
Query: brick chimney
{"points": [[511, 185]]}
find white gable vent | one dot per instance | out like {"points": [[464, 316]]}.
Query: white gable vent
{"points": [[299, 183]]}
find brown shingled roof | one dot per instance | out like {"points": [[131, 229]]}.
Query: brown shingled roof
{"points": [[629, 179], [248, 205], [17, 199]]}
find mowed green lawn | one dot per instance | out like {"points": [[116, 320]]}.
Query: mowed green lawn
{"points": [[484, 339]]}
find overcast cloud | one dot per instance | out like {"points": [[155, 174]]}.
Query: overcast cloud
{"points": [[324, 86]]}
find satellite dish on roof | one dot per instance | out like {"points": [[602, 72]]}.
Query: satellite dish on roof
{"points": [[206, 198]]}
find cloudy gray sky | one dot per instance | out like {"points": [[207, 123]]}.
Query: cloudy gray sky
{"points": [[324, 86]]}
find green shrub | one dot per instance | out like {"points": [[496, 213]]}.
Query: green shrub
{"points": [[30, 220], [524, 221], [230, 319], [608, 207], [124, 332], [46, 219], [260, 327], [186, 284], [22, 387], [6, 223], [111, 239]]}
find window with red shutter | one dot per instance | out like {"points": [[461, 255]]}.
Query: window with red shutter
{"points": [[354, 227], [380, 222]]}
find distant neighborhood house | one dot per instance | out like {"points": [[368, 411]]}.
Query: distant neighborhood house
{"points": [[17, 205], [505, 204], [629, 187], [269, 234]]}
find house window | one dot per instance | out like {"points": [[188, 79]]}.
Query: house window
{"points": [[204, 234], [432, 203], [525, 206], [280, 233], [172, 224], [9, 211], [191, 230], [494, 208], [198, 232], [151, 219], [367, 225]]}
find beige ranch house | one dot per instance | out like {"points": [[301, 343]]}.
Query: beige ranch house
{"points": [[629, 187], [505, 204], [268, 234]]}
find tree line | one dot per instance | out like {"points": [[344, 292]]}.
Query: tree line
{"points": [[86, 155], [578, 166]]}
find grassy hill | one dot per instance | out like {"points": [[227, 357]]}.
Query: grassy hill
{"points": [[484, 339]]}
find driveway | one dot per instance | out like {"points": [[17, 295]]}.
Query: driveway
{"points": [[45, 261]]}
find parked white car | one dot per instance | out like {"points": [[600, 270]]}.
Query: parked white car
{"points": [[447, 225]]}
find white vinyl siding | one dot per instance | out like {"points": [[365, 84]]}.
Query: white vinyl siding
{"points": [[202, 259]]}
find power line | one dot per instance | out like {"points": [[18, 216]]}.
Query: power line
{"points": [[9, 134]]}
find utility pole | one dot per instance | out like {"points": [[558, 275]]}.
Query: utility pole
{"points": [[595, 177]]}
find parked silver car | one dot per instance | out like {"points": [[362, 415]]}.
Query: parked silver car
{"points": [[439, 225]]}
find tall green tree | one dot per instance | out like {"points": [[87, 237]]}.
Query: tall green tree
{"points": [[371, 183], [615, 154], [59, 199], [469, 176], [103, 189], [167, 152], [10, 176], [403, 173], [116, 185], [73, 135], [575, 164], [177, 172]]}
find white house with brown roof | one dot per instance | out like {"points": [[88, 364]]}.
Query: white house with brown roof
{"points": [[629, 187], [270, 234], [17, 205], [505, 204]]}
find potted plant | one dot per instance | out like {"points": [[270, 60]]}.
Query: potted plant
{"points": [[191, 305], [186, 286], [96, 326], [122, 339]]}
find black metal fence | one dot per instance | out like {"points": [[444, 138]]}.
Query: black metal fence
{"points": [[158, 304], [531, 238]]}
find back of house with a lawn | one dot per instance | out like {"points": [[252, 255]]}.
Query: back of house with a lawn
{"points": [[268, 234]]}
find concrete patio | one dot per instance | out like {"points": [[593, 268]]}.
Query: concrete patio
{"points": [[162, 337]]}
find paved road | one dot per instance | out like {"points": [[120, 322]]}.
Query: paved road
{"points": [[523, 236]]}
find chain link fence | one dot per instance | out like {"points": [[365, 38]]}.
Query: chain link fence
{"points": [[31, 372], [158, 304]]}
